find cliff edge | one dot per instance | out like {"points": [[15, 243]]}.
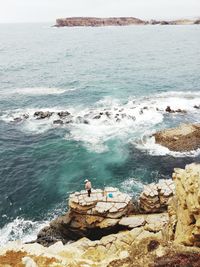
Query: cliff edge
{"points": [[154, 240]]}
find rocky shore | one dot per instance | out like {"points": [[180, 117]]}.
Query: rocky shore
{"points": [[168, 237], [186, 137], [117, 21]]}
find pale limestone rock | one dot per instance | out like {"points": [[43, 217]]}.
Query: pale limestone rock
{"points": [[28, 262], [155, 197], [156, 222], [187, 209], [133, 221]]}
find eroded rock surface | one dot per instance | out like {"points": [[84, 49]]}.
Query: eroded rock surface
{"points": [[186, 137], [105, 212], [155, 197], [184, 210]]}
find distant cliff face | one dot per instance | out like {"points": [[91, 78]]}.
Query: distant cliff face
{"points": [[121, 21], [95, 22]]}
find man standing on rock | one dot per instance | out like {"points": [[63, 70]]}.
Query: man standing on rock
{"points": [[88, 186]]}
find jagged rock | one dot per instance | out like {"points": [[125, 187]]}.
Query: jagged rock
{"points": [[92, 217], [197, 107], [97, 117], [43, 114], [187, 207], [186, 137], [168, 109], [26, 116], [63, 114], [155, 197], [18, 119]]}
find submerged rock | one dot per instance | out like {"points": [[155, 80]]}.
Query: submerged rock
{"points": [[58, 122], [186, 137], [18, 119]]}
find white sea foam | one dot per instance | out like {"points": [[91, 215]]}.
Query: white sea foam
{"points": [[132, 186], [148, 144], [20, 229], [127, 121], [35, 91]]}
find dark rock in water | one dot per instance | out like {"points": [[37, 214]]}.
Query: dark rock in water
{"points": [[145, 107], [63, 114], [118, 120], [58, 122], [43, 114], [120, 110], [68, 122], [97, 117], [26, 116], [18, 119], [108, 114], [100, 113], [86, 122], [141, 112], [123, 115], [168, 109], [180, 111], [133, 118], [197, 107]]}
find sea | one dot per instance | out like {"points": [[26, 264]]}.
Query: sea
{"points": [[116, 83]]}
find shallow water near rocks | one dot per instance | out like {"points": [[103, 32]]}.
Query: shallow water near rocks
{"points": [[88, 70]]}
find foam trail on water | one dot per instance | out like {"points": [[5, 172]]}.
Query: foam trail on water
{"points": [[34, 91], [148, 144]]}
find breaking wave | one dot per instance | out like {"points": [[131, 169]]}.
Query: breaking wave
{"points": [[108, 119], [20, 229]]}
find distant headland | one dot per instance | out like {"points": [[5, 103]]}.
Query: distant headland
{"points": [[118, 21]]}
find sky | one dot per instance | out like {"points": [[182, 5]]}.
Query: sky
{"points": [[50, 10]]}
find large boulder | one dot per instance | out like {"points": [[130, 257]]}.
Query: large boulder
{"points": [[184, 138]]}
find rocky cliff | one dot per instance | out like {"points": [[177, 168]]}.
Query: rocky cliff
{"points": [[95, 22], [153, 240], [117, 21], [184, 210]]}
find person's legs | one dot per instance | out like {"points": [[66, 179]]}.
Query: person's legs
{"points": [[89, 192]]}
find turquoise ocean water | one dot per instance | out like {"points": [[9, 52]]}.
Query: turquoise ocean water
{"points": [[88, 71]]}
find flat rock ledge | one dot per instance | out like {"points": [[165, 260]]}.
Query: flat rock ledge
{"points": [[109, 211], [109, 203], [184, 138]]}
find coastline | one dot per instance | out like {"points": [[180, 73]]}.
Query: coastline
{"points": [[118, 21]]}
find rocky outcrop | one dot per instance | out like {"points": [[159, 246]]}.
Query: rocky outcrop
{"points": [[186, 137], [105, 212], [184, 211], [96, 22], [155, 197], [117, 21], [153, 240]]}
